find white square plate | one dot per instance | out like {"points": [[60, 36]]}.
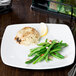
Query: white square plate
{"points": [[15, 55]]}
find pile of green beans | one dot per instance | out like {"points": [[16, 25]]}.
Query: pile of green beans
{"points": [[46, 50]]}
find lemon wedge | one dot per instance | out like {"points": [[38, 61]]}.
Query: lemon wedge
{"points": [[43, 29]]}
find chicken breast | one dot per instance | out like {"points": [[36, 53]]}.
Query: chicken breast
{"points": [[27, 36]]}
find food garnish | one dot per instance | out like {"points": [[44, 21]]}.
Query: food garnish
{"points": [[44, 29]]}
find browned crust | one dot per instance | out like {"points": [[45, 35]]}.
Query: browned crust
{"points": [[28, 33], [18, 40]]}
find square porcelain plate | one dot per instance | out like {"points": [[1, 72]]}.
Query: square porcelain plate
{"points": [[15, 55]]}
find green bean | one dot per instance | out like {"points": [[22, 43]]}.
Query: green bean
{"points": [[46, 53], [31, 60], [42, 44], [37, 55], [60, 45], [64, 44], [36, 60], [32, 53], [55, 56], [49, 59], [34, 49], [54, 50], [46, 40], [46, 58], [41, 52], [58, 54]]}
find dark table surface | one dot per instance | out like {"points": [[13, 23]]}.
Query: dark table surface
{"points": [[23, 14]]}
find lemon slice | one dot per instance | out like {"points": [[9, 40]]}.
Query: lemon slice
{"points": [[44, 29]]}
